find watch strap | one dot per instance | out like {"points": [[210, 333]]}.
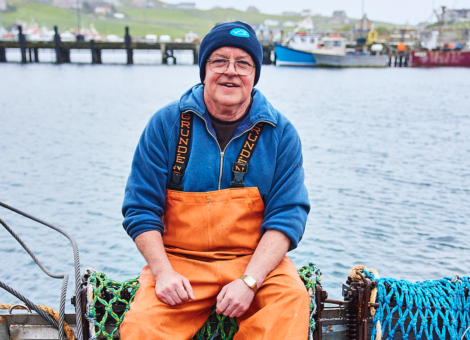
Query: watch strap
{"points": [[247, 279]]}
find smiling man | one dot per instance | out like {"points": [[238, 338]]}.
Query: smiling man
{"points": [[214, 201]]}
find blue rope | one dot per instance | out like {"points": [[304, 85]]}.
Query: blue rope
{"points": [[434, 301]]}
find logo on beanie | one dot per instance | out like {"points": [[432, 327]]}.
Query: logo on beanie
{"points": [[240, 32]]}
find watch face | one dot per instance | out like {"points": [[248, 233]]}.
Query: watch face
{"points": [[250, 281]]}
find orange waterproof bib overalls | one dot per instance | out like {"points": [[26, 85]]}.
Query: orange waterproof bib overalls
{"points": [[210, 238]]}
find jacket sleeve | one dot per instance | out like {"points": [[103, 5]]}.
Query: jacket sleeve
{"points": [[287, 205], [145, 194]]}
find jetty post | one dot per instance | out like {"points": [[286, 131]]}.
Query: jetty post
{"points": [[95, 53], [3, 55], [196, 55], [36, 54], [58, 56], [22, 40], [128, 41], [163, 50]]}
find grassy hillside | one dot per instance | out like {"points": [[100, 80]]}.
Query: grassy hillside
{"points": [[141, 21]]}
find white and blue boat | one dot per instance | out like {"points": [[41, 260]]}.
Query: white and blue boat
{"points": [[296, 49], [289, 56]]}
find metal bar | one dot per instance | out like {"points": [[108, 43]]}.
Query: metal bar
{"points": [[78, 307]]}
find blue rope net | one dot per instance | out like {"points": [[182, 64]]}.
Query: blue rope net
{"points": [[426, 308]]}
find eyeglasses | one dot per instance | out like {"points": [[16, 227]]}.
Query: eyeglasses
{"points": [[221, 65]]}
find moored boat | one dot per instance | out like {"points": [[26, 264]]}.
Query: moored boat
{"points": [[287, 56], [424, 58], [335, 54]]}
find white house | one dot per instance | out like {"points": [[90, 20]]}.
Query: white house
{"points": [[3, 5]]}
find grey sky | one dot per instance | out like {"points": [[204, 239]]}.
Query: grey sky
{"points": [[395, 11]]}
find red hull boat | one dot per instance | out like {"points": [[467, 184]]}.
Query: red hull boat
{"points": [[419, 58]]}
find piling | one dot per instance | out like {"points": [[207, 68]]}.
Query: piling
{"points": [[95, 53], [3, 55], [30, 55], [21, 40], [196, 55], [128, 41], [58, 56], [407, 57], [164, 55], [36, 55], [65, 54], [267, 56]]}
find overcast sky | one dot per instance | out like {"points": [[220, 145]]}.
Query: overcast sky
{"points": [[394, 11]]}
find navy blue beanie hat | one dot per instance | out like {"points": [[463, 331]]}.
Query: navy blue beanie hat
{"points": [[235, 34]]}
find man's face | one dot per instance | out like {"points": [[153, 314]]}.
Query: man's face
{"points": [[229, 89]]}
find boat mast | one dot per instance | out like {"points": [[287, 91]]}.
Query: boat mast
{"points": [[362, 14]]}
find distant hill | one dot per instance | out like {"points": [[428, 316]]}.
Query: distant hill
{"points": [[142, 21]]}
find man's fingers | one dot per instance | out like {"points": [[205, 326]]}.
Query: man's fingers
{"points": [[221, 295], [162, 299], [175, 298], [170, 300], [235, 312], [182, 294], [230, 309], [189, 289], [222, 305]]}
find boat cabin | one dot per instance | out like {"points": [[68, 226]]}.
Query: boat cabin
{"points": [[333, 45], [304, 42]]}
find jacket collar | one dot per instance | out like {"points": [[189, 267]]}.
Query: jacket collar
{"points": [[261, 109]]}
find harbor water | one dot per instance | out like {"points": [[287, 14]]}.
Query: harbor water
{"points": [[386, 159]]}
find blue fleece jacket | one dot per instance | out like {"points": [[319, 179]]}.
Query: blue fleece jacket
{"points": [[275, 167]]}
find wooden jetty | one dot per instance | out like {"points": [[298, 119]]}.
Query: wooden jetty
{"points": [[30, 49]]}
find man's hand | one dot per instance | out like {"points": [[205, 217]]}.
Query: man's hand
{"points": [[173, 288], [234, 299]]}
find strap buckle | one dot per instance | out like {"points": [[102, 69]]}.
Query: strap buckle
{"points": [[239, 171], [176, 177]]}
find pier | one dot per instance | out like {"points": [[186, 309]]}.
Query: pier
{"points": [[30, 49]]}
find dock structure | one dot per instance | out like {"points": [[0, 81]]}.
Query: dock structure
{"points": [[62, 48]]}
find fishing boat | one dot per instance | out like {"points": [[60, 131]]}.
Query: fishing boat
{"points": [[432, 55], [334, 53], [296, 49], [372, 307]]}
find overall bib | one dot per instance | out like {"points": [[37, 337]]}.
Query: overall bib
{"points": [[210, 238]]}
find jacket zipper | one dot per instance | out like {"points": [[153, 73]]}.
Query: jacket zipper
{"points": [[222, 153]]}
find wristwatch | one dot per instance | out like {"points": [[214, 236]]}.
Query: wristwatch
{"points": [[250, 282]]}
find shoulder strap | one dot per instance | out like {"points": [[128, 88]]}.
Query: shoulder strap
{"points": [[183, 148], [240, 167]]}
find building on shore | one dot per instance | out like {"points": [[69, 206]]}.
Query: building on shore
{"points": [[181, 5], [339, 18], [67, 3], [306, 13], [456, 15], [3, 5], [364, 24], [290, 14], [252, 9]]}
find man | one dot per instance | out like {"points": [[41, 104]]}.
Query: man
{"points": [[214, 201]]}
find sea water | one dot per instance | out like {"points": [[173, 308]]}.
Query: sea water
{"points": [[386, 160]]}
